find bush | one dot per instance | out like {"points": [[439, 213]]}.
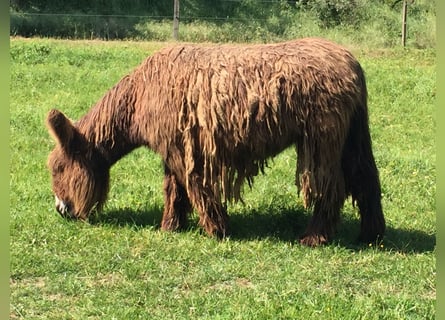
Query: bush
{"points": [[333, 13], [154, 30]]}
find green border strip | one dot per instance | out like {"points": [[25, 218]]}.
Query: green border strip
{"points": [[4, 159], [440, 161]]}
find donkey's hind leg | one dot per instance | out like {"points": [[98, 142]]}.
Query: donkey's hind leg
{"points": [[320, 178], [176, 203], [326, 216]]}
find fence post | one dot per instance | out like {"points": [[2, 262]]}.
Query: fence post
{"points": [[175, 19], [404, 13]]}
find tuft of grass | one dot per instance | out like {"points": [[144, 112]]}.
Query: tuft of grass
{"points": [[119, 265]]}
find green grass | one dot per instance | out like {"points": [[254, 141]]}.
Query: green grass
{"points": [[121, 266]]}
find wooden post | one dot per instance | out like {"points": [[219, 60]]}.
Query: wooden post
{"points": [[175, 19], [404, 13]]}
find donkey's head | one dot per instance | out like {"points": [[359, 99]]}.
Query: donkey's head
{"points": [[80, 175]]}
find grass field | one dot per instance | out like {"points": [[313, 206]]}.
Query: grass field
{"points": [[121, 266]]}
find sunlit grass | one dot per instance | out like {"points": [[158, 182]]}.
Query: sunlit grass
{"points": [[121, 266]]}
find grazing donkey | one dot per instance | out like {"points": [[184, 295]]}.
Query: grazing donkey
{"points": [[215, 114]]}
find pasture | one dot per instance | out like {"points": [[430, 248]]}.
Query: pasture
{"points": [[120, 265]]}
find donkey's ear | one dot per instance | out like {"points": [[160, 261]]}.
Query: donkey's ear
{"points": [[60, 127]]}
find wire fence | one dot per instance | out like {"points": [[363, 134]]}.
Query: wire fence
{"points": [[244, 21], [186, 18], [124, 26], [130, 21]]}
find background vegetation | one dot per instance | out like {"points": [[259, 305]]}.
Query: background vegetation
{"points": [[121, 266], [374, 23]]}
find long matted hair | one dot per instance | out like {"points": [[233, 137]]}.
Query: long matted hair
{"points": [[215, 114]]}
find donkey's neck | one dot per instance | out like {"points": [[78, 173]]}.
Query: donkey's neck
{"points": [[108, 125]]}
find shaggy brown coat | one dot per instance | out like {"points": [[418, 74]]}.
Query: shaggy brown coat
{"points": [[215, 114]]}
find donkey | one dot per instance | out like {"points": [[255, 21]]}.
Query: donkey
{"points": [[216, 114]]}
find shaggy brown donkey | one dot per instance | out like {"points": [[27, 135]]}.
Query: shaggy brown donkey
{"points": [[215, 114]]}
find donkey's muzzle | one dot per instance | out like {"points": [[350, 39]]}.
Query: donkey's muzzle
{"points": [[64, 209]]}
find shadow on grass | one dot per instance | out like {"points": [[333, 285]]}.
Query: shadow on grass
{"points": [[395, 239], [281, 225], [127, 217], [288, 225]]}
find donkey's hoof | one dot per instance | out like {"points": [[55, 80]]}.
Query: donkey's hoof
{"points": [[313, 240]]}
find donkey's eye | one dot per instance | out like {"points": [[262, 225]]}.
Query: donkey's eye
{"points": [[58, 170]]}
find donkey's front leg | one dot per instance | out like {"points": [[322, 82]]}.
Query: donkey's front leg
{"points": [[212, 214], [176, 203]]}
